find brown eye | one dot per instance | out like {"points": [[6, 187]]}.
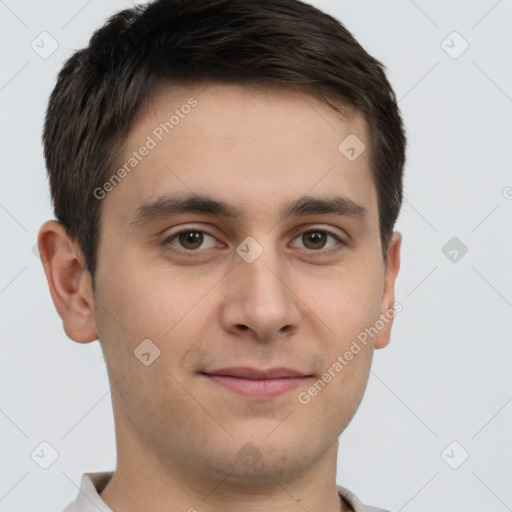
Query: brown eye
{"points": [[191, 240], [318, 240], [314, 239]]}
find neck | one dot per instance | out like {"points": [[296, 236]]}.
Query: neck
{"points": [[146, 480]]}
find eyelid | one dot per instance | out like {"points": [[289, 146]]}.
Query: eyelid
{"points": [[168, 239], [307, 228], [301, 230], [331, 250]]}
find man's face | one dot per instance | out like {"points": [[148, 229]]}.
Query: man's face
{"points": [[209, 300]]}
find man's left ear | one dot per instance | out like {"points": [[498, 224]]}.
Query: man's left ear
{"points": [[388, 294]]}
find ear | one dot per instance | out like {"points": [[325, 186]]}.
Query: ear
{"points": [[70, 284], [387, 313]]}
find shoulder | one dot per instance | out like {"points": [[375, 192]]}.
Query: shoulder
{"points": [[355, 503], [72, 507], [88, 498]]}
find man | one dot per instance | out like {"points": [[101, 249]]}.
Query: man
{"points": [[226, 176]]}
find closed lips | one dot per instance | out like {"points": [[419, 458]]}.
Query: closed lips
{"points": [[257, 374]]}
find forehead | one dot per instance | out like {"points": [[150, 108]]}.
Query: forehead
{"points": [[256, 148]]}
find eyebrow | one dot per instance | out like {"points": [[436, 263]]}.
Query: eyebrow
{"points": [[194, 203]]}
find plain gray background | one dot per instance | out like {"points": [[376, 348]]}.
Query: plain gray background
{"points": [[444, 378]]}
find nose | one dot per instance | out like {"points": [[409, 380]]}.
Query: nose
{"points": [[259, 300]]}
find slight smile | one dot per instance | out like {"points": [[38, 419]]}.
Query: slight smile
{"points": [[255, 383]]}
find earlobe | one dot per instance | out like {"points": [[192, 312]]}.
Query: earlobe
{"points": [[69, 283], [387, 313]]}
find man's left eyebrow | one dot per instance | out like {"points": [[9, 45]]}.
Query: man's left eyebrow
{"points": [[338, 205], [169, 205]]}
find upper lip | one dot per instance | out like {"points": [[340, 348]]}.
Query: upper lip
{"points": [[257, 374]]}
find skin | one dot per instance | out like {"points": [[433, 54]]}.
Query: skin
{"points": [[179, 434]]}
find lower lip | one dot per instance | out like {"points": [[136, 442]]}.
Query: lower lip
{"points": [[259, 389]]}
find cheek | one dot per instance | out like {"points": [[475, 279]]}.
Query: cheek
{"points": [[142, 300], [133, 307], [331, 401], [347, 303]]}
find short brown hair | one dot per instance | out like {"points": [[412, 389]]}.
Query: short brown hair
{"points": [[276, 43]]}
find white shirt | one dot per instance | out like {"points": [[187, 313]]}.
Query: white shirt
{"points": [[88, 499]]}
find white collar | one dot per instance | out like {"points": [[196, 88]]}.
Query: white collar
{"points": [[89, 500]]}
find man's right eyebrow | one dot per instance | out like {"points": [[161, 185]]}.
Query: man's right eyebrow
{"points": [[174, 204]]}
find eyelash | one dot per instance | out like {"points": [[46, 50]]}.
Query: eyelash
{"points": [[198, 252]]}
